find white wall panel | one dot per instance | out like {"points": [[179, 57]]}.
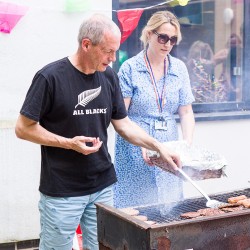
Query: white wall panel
{"points": [[46, 33]]}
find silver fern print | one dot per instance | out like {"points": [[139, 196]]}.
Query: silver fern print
{"points": [[87, 96]]}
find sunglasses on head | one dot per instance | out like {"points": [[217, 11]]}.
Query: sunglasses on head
{"points": [[163, 38]]}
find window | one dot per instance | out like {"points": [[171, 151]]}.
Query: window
{"points": [[215, 48]]}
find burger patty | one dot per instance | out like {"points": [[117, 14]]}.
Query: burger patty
{"points": [[190, 215], [232, 209], [210, 211], [235, 199]]}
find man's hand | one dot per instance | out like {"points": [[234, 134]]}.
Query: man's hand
{"points": [[166, 159], [79, 144], [170, 159]]}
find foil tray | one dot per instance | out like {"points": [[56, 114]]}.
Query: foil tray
{"points": [[198, 162]]}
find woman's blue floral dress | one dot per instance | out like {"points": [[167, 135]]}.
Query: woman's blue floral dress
{"points": [[138, 183]]}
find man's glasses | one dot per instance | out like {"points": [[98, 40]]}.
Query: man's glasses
{"points": [[163, 38]]}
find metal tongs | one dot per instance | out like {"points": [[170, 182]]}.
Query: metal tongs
{"points": [[210, 203]]}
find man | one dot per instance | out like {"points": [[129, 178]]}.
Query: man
{"points": [[67, 110]]}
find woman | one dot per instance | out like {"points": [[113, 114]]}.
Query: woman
{"points": [[155, 86]]}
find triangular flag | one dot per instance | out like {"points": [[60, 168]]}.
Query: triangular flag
{"points": [[128, 20], [10, 14]]}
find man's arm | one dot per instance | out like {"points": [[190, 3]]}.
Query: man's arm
{"points": [[31, 130], [134, 134]]}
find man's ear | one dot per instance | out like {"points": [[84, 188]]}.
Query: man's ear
{"points": [[85, 43]]}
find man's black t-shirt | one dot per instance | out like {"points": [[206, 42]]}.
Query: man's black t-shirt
{"points": [[69, 103]]}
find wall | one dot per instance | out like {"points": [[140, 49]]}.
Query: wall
{"points": [[232, 140], [46, 33]]}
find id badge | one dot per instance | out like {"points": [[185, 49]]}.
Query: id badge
{"points": [[160, 125]]}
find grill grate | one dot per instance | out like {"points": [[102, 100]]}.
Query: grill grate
{"points": [[164, 213]]}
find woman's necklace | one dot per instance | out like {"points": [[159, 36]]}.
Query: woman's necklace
{"points": [[160, 98]]}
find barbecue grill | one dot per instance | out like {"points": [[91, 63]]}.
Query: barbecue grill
{"points": [[120, 231]]}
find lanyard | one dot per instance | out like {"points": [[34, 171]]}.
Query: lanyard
{"points": [[159, 98]]}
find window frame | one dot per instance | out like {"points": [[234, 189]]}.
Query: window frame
{"points": [[215, 111]]}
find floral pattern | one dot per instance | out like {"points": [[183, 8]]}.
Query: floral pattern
{"points": [[138, 183]]}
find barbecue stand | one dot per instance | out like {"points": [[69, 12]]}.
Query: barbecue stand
{"points": [[229, 231]]}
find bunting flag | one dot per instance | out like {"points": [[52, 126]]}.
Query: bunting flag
{"points": [[77, 5], [10, 14], [128, 21]]}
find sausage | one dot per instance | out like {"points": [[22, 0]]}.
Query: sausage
{"points": [[235, 199], [141, 217], [130, 211], [246, 203]]}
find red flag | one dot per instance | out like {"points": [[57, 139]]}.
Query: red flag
{"points": [[128, 20]]}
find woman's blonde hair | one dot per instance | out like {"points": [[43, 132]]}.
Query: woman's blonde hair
{"points": [[156, 20]]}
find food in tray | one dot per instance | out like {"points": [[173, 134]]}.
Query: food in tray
{"points": [[198, 163]]}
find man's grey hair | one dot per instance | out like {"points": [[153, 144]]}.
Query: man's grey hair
{"points": [[95, 27]]}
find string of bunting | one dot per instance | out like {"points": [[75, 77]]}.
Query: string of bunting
{"points": [[129, 18]]}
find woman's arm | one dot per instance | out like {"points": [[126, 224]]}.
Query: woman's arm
{"points": [[187, 122]]}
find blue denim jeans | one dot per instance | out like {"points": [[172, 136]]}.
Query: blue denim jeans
{"points": [[59, 218]]}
